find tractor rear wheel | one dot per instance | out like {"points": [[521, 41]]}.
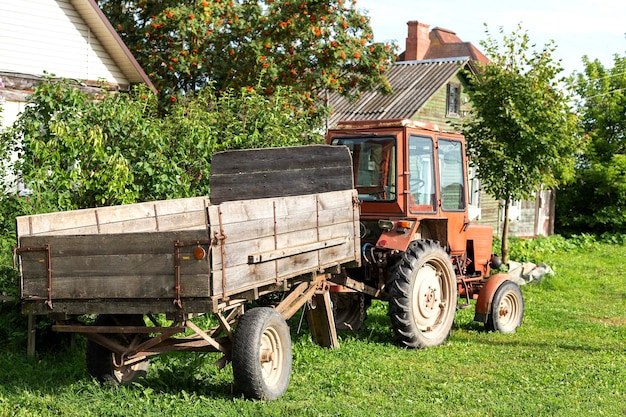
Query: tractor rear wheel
{"points": [[507, 309], [422, 296], [349, 309]]}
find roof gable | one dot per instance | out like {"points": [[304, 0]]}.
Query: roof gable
{"points": [[67, 38]]}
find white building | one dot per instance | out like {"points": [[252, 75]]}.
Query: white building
{"points": [[69, 39]]}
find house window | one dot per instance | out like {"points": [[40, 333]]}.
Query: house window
{"points": [[454, 99]]}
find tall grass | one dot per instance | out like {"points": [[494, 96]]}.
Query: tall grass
{"points": [[568, 359]]}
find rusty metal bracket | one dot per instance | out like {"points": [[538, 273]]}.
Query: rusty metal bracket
{"points": [[44, 248], [177, 281], [219, 239]]}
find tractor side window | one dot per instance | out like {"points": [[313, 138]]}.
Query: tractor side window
{"points": [[451, 175], [421, 174]]}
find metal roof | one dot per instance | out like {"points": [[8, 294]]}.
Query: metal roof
{"points": [[413, 84]]}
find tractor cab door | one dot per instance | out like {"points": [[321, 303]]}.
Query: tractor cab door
{"points": [[437, 187], [453, 191]]}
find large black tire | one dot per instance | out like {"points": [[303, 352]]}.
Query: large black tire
{"points": [[100, 360], [349, 309], [422, 296], [262, 356], [507, 309]]}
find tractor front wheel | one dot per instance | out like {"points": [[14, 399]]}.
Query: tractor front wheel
{"points": [[507, 309], [422, 296]]}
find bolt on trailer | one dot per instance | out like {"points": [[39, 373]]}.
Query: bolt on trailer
{"points": [[420, 252], [277, 223]]}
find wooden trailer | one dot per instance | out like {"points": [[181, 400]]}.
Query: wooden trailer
{"points": [[277, 223]]}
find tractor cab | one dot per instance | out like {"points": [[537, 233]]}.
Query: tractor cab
{"points": [[412, 184]]}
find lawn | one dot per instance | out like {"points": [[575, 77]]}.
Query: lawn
{"points": [[568, 359]]}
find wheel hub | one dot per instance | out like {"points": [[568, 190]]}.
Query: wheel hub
{"points": [[427, 297], [271, 356]]}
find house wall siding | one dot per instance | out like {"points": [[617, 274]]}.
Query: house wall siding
{"points": [[38, 36], [435, 109]]}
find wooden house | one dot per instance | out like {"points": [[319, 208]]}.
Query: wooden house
{"points": [[429, 85], [69, 39]]}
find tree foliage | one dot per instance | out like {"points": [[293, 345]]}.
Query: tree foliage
{"points": [[596, 200], [310, 45], [521, 132], [77, 152]]}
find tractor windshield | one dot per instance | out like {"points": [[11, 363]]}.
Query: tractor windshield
{"points": [[374, 161]]}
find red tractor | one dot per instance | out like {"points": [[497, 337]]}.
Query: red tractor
{"points": [[420, 252]]}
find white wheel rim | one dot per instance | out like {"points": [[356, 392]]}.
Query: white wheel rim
{"points": [[271, 356], [430, 295], [508, 312]]}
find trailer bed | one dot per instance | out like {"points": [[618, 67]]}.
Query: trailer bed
{"points": [[189, 255]]}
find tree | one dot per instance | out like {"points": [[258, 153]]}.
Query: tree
{"points": [[596, 200], [521, 132], [309, 45]]}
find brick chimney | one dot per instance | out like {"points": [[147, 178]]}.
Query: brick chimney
{"points": [[417, 41]]}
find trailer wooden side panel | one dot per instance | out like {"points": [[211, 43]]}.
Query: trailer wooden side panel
{"points": [[270, 240], [113, 266]]}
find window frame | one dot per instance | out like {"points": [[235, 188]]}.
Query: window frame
{"points": [[453, 99]]}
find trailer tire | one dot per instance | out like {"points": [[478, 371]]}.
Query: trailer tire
{"points": [[422, 296], [507, 309], [100, 360], [262, 356]]}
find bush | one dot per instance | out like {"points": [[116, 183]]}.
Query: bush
{"points": [[77, 152], [536, 250]]}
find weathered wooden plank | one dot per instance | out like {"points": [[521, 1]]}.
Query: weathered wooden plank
{"points": [[276, 172], [113, 244], [271, 255], [244, 277], [119, 306], [236, 253], [86, 266], [174, 214], [117, 287], [238, 211], [267, 159], [259, 229], [256, 185]]}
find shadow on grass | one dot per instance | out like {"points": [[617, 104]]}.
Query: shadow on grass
{"points": [[517, 343], [58, 366], [191, 372], [47, 372]]}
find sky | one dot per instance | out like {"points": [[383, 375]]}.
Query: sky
{"points": [[595, 28]]}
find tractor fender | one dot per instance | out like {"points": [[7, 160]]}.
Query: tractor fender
{"points": [[485, 296]]}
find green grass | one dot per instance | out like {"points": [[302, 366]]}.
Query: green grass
{"points": [[568, 359]]}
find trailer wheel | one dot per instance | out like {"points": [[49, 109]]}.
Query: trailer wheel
{"points": [[422, 296], [101, 362], [261, 354], [507, 309], [349, 309]]}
